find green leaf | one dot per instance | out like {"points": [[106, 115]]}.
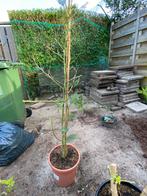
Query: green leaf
{"points": [[139, 91], [9, 183], [64, 130], [118, 180], [71, 137]]}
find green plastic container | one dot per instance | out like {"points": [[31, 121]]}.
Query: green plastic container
{"points": [[12, 108]]}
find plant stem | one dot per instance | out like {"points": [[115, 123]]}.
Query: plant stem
{"points": [[66, 82]]}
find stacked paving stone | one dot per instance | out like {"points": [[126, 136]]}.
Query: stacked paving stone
{"points": [[102, 79], [128, 83], [102, 87]]}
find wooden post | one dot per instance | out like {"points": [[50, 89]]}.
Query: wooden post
{"points": [[4, 41], [113, 173], [110, 43], [8, 44]]}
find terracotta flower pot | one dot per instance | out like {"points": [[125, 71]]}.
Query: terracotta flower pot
{"points": [[64, 177]]}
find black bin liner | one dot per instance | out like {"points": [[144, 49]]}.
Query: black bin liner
{"points": [[13, 142]]}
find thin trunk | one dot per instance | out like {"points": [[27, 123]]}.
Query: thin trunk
{"points": [[66, 80]]}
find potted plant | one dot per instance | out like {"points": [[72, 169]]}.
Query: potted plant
{"points": [[118, 187], [64, 158]]}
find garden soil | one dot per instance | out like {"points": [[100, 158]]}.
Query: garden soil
{"points": [[139, 127], [99, 146]]}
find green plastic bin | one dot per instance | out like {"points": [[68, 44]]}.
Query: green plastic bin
{"points": [[12, 108]]}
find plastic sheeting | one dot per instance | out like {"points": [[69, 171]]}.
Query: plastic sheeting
{"points": [[13, 142]]}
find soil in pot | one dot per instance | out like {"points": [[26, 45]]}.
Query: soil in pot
{"points": [[61, 163], [122, 191]]}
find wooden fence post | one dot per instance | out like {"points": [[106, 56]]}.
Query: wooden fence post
{"points": [[8, 48]]}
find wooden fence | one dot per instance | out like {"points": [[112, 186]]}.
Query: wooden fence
{"points": [[7, 44], [128, 45]]}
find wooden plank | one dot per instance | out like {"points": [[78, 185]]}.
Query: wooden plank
{"points": [[2, 52], [143, 12], [141, 71], [130, 19], [123, 33], [121, 67], [143, 26], [142, 50], [4, 42], [136, 36], [124, 22], [113, 173], [123, 44], [142, 38], [141, 62], [120, 63], [122, 54], [11, 42]]}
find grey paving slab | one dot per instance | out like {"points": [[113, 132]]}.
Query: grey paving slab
{"points": [[137, 106]]}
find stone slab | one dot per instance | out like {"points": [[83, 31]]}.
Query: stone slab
{"points": [[105, 92], [133, 77], [130, 100], [103, 72], [125, 81], [137, 106], [120, 81]]}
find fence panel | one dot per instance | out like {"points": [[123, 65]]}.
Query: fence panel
{"points": [[128, 45], [7, 44]]}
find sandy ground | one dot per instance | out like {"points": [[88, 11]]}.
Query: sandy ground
{"points": [[99, 146]]}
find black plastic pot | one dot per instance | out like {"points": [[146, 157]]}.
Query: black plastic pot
{"points": [[28, 112], [132, 186]]}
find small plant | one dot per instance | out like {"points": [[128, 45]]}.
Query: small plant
{"points": [[6, 186], [143, 92], [116, 182]]}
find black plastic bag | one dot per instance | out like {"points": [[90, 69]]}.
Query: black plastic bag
{"points": [[13, 142]]}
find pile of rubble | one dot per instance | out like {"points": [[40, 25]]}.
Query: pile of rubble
{"points": [[109, 87]]}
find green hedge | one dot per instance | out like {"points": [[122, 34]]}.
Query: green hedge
{"points": [[40, 36]]}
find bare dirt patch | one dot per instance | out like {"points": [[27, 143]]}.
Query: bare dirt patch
{"points": [[139, 127], [99, 146]]}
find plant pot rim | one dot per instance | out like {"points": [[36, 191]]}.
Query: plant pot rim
{"points": [[134, 186], [63, 170]]}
